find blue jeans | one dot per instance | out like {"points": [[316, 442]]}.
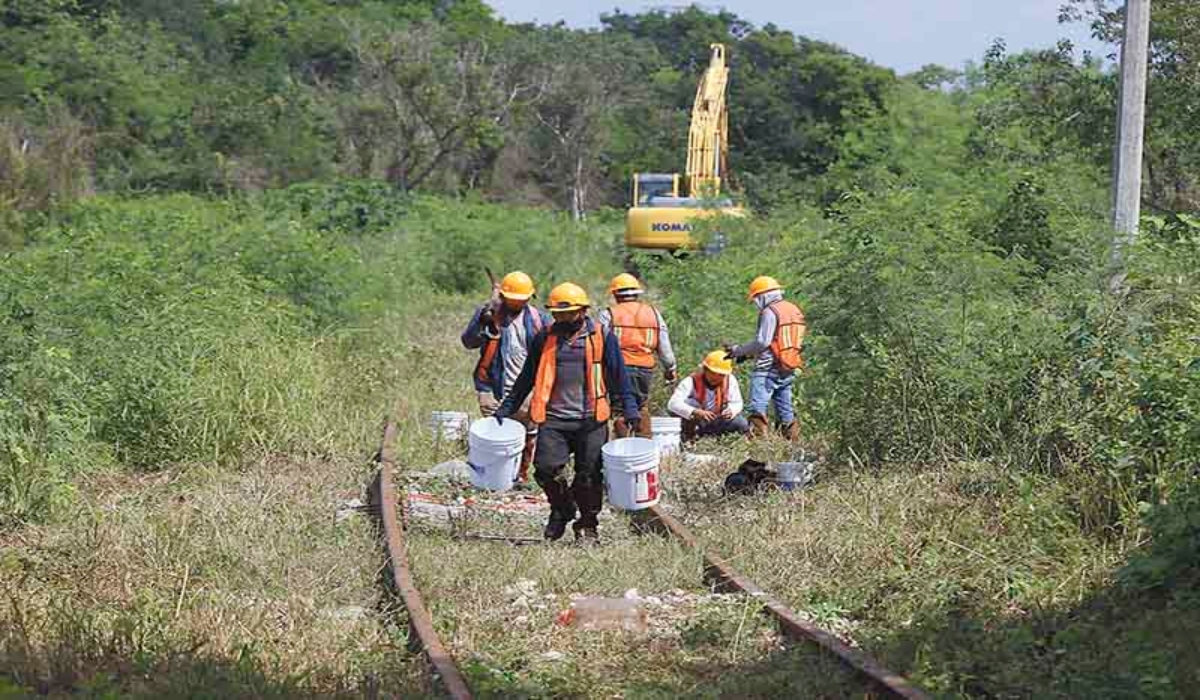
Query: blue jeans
{"points": [[767, 387]]}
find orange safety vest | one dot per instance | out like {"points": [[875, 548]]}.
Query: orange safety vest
{"points": [[700, 391], [789, 335], [491, 346], [635, 324], [543, 384]]}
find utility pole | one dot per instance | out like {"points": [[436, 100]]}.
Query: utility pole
{"points": [[1131, 120]]}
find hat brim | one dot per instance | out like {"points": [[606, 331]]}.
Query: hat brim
{"points": [[573, 307], [714, 370], [761, 292], [515, 296]]}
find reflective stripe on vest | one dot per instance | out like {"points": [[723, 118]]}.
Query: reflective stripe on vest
{"points": [[491, 346], [597, 390], [635, 325], [788, 342], [700, 392]]}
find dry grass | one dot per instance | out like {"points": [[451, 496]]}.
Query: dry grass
{"points": [[219, 583], [205, 581]]}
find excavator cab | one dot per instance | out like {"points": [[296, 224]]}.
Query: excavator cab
{"points": [[650, 186], [662, 220]]}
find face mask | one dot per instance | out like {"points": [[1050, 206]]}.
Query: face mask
{"points": [[569, 326]]}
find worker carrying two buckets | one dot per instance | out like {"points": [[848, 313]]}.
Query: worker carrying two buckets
{"points": [[576, 377]]}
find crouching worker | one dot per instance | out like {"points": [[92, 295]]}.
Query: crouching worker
{"points": [[501, 330], [710, 401], [574, 373]]}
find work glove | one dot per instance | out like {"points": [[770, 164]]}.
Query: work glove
{"points": [[671, 375], [634, 423]]}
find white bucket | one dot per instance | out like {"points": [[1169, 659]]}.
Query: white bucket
{"points": [[793, 475], [448, 425], [666, 431], [631, 473], [494, 453]]}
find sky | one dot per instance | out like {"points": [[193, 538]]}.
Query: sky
{"points": [[899, 34]]}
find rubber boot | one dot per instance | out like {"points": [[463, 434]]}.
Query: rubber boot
{"points": [[791, 431], [758, 426], [621, 429], [526, 460], [562, 506], [589, 498]]}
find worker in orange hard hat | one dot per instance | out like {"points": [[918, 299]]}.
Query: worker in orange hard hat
{"points": [[710, 400], [777, 347], [574, 375], [644, 338], [501, 330]]}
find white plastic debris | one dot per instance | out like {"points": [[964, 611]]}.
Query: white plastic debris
{"points": [[348, 509]]}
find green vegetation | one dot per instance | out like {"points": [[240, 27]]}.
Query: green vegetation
{"points": [[235, 235]]}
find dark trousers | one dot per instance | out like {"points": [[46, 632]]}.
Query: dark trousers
{"points": [[721, 426], [642, 379], [557, 441]]}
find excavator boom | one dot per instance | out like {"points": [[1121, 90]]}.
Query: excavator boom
{"points": [[708, 144]]}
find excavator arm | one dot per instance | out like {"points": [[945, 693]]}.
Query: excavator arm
{"points": [[708, 138]]}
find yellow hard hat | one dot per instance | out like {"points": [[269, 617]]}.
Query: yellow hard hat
{"points": [[568, 296], [762, 285], [718, 361], [624, 282], [517, 286]]}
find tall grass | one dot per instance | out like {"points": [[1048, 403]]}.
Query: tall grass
{"points": [[149, 332], [928, 345]]}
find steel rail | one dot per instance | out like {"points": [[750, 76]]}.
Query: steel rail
{"points": [[717, 572], [421, 631], [720, 573]]}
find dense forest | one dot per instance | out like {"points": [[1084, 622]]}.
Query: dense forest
{"points": [[225, 224], [205, 96]]}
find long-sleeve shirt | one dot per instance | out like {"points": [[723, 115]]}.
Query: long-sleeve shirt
{"points": [[683, 402], [666, 353], [514, 346], [616, 378], [767, 323]]}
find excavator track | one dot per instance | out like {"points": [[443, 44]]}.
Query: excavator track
{"points": [[718, 574]]}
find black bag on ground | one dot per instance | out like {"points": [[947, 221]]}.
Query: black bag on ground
{"points": [[749, 477]]}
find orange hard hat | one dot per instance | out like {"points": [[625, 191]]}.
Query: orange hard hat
{"points": [[517, 286], [624, 282], [718, 361], [762, 285], [568, 296]]}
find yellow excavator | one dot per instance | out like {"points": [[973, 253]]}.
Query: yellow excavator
{"points": [[662, 220]]}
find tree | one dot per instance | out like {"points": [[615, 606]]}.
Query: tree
{"points": [[585, 78], [423, 98], [1172, 154]]}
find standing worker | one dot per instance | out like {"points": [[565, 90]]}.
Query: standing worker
{"points": [[710, 401], [777, 346], [574, 373], [645, 342], [501, 330]]}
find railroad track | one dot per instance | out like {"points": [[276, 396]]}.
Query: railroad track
{"points": [[719, 573]]}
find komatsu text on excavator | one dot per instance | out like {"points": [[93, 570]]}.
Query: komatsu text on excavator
{"points": [[661, 219]]}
